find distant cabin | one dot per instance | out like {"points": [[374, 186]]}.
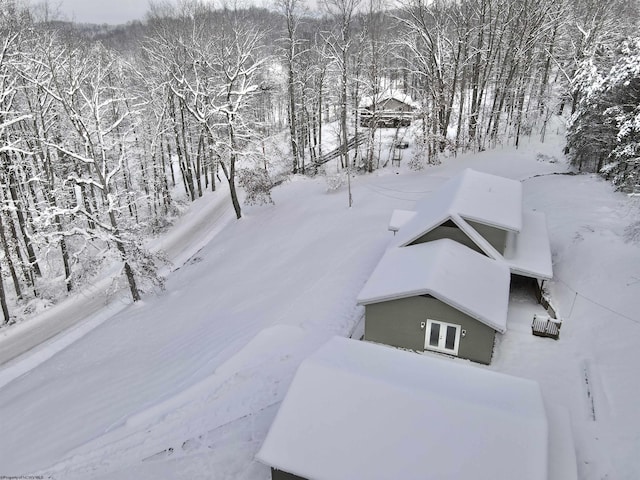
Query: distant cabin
{"points": [[390, 111], [438, 296], [357, 410], [483, 212]]}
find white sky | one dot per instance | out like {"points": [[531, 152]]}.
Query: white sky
{"points": [[114, 12], [100, 11]]}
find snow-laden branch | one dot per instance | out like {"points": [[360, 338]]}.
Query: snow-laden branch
{"points": [[8, 123], [14, 149], [77, 156], [85, 181]]}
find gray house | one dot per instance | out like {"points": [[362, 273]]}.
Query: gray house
{"points": [[483, 212], [440, 296], [357, 410], [388, 111]]}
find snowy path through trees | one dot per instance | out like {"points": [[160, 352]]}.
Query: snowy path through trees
{"points": [[182, 241]]}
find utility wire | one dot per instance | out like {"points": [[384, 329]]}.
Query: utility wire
{"points": [[594, 302], [374, 190]]}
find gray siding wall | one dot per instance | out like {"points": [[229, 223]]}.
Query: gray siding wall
{"points": [[397, 323], [280, 475], [497, 237], [454, 233]]}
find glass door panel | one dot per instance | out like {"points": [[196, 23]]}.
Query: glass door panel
{"points": [[442, 337]]}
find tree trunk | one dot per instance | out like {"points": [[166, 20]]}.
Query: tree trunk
{"points": [[3, 300], [7, 256], [199, 164], [31, 254], [292, 118], [232, 167], [343, 110], [13, 242], [131, 280]]}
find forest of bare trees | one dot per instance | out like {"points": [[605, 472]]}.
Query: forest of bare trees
{"points": [[105, 133]]}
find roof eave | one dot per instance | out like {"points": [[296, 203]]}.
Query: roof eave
{"points": [[475, 315], [441, 219], [502, 226], [393, 296], [546, 274]]}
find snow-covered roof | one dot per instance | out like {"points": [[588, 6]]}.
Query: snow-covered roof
{"points": [[448, 271], [362, 410], [367, 101], [400, 218], [529, 252], [486, 199], [562, 451], [471, 195]]}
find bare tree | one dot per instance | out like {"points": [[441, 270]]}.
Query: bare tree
{"points": [[340, 42], [8, 38], [96, 108], [213, 62], [292, 44], [377, 47], [237, 58]]}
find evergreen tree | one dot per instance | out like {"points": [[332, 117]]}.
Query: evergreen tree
{"points": [[604, 134]]}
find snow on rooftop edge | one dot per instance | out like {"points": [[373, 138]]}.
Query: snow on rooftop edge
{"points": [[529, 252], [362, 410], [447, 270]]}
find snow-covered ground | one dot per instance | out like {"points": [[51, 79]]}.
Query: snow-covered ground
{"points": [[186, 384], [188, 235]]}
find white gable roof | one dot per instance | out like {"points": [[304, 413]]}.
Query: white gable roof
{"points": [[362, 410], [480, 197], [450, 272], [470, 196]]}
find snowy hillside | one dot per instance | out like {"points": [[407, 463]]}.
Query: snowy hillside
{"points": [[185, 385]]}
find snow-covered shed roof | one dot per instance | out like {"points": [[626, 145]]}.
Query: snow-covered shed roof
{"points": [[362, 410], [448, 271], [471, 195]]}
